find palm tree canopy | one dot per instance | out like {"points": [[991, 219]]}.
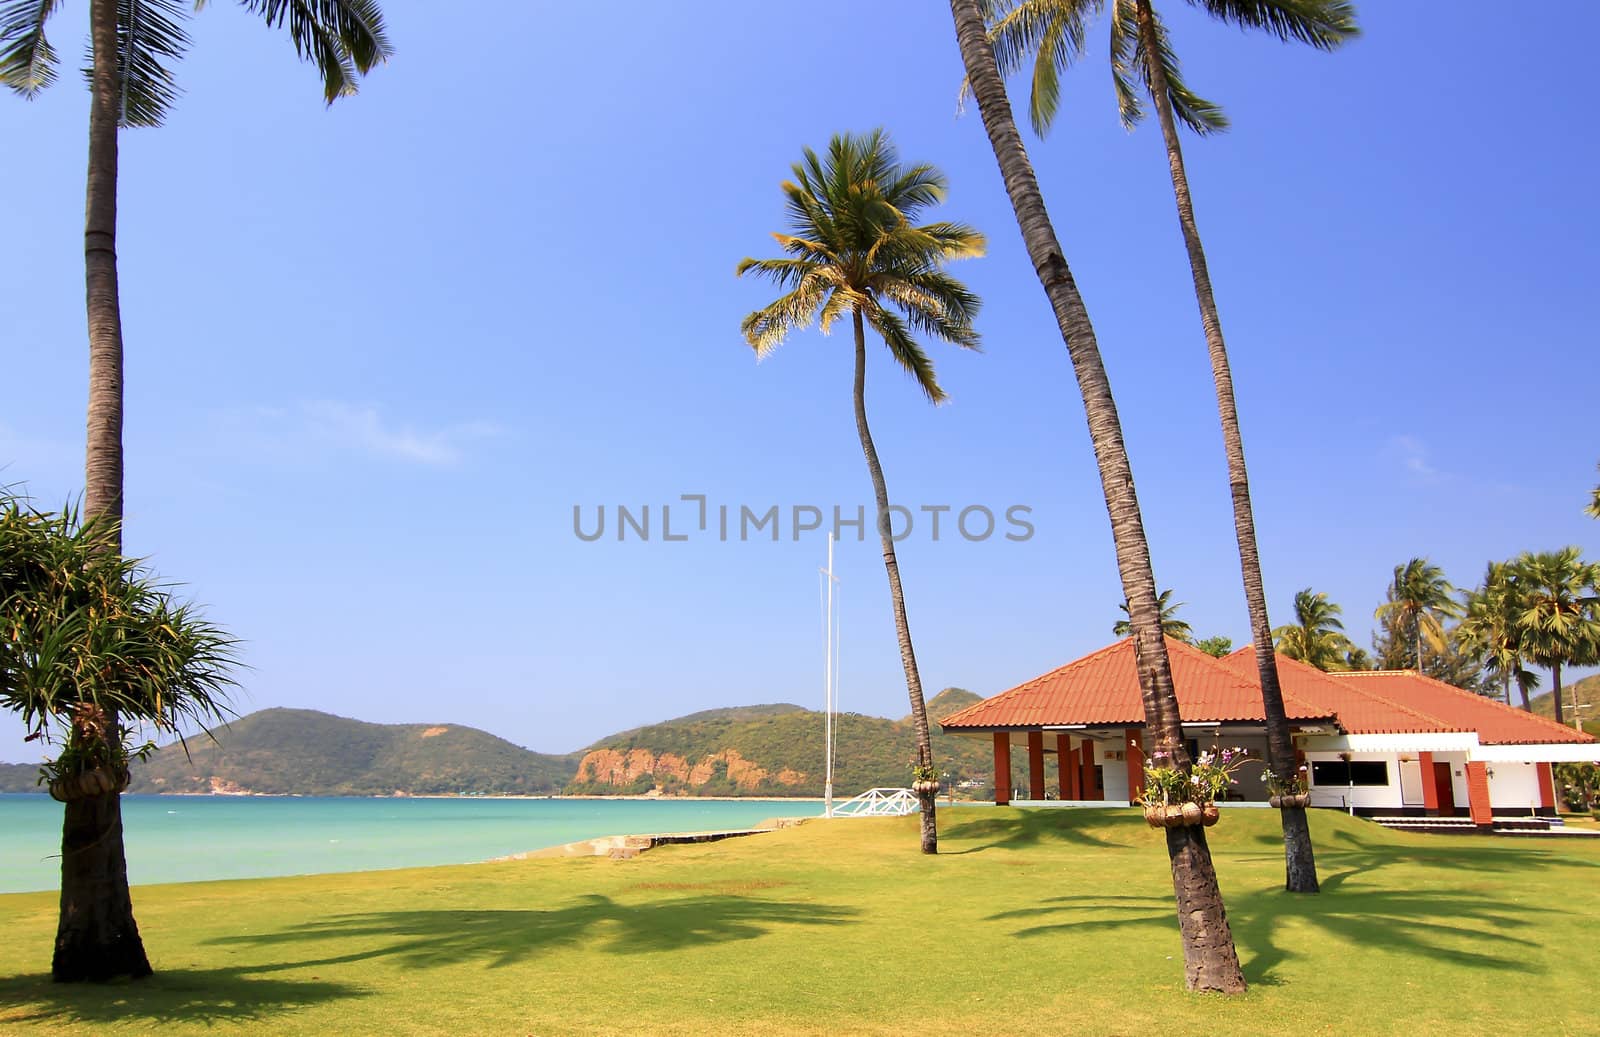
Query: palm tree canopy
{"points": [[1560, 607], [1171, 625], [1489, 627], [1052, 34], [344, 39], [1316, 637], [89, 627], [854, 246], [1420, 597], [1592, 509]]}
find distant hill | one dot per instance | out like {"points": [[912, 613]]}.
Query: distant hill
{"points": [[301, 752], [773, 750], [20, 777], [1588, 692]]}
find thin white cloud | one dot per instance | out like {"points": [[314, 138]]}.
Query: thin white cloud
{"points": [[1411, 454], [364, 428]]}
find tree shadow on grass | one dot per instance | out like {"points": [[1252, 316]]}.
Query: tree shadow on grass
{"points": [[208, 996], [424, 939], [1025, 828], [1457, 927]]}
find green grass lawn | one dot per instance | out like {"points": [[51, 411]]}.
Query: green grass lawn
{"points": [[1056, 921]]}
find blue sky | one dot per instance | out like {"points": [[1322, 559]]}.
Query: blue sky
{"points": [[376, 354]]}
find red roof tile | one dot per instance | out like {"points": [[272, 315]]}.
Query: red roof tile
{"points": [[1102, 688], [1457, 710], [1358, 713]]}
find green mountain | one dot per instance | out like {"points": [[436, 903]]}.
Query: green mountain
{"points": [[19, 777], [774, 751], [1588, 692], [301, 752]]}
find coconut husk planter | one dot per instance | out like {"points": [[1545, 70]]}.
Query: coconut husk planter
{"points": [[925, 788], [97, 782], [1177, 815], [1300, 800]]}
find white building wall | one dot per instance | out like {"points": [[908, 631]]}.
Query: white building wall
{"points": [[1514, 786], [1363, 797]]}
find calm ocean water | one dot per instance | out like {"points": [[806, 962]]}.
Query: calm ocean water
{"points": [[195, 838]]}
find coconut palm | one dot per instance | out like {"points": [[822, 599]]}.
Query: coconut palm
{"points": [[1210, 960], [1317, 634], [1560, 614], [1171, 625], [1490, 631], [854, 249], [1051, 33], [89, 635], [133, 45], [1417, 602]]}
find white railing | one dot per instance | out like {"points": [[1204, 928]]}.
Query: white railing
{"points": [[879, 803]]}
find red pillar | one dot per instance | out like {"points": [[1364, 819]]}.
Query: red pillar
{"points": [[1547, 787], [1430, 785], [1063, 767], [1002, 768], [1089, 789], [1133, 752], [1478, 794], [1035, 765], [1074, 771]]}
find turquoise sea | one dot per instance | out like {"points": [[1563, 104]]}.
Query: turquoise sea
{"points": [[197, 838]]}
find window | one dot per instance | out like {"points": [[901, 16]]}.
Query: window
{"points": [[1356, 772]]}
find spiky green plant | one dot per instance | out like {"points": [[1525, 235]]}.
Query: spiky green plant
{"points": [[1317, 634], [1171, 625]]}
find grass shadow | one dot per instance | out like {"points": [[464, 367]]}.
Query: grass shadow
{"points": [[1025, 828], [207, 996], [425, 939]]}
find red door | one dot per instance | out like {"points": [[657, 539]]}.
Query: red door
{"points": [[1445, 788]]}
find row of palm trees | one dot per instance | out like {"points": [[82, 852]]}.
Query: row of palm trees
{"points": [[1541, 608], [853, 249]]}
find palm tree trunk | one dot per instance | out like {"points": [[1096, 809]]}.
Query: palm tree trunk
{"points": [[1300, 864], [1210, 961], [1507, 687], [96, 937], [902, 628], [1555, 690]]}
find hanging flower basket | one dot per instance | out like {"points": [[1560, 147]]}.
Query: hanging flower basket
{"points": [[97, 782], [1299, 800], [1209, 814]]}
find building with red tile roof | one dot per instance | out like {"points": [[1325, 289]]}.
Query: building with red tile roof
{"points": [[1373, 742]]}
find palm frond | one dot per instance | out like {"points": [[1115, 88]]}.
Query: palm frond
{"points": [[345, 39], [27, 61], [1324, 24], [150, 38], [1053, 33], [766, 328], [1198, 114], [1124, 55], [904, 349], [934, 303]]}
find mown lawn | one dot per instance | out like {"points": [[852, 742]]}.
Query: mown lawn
{"points": [[1044, 922]]}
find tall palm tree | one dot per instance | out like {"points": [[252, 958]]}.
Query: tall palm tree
{"points": [[88, 634], [133, 45], [854, 248], [1053, 33], [1417, 602], [1317, 634], [1210, 960], [1171, 625], [1489, 629], [1560, 618]]}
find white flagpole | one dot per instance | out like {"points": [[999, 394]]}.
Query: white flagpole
{"points": [[827, 787]]}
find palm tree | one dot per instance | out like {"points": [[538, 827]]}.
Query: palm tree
{"points": [[1053, 32], [855, 249], [1416, 603], [1171, 625], [133, 44], [1560, 617], [1317, 635], [1489, 629], [1210, 960], [1592, 509], [90, 635]]}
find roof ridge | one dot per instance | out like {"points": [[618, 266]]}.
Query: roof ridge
{"points": [[1034, 682], [1374, 696]]}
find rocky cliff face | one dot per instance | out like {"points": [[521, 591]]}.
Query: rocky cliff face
{"points": [[624, 767]]}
